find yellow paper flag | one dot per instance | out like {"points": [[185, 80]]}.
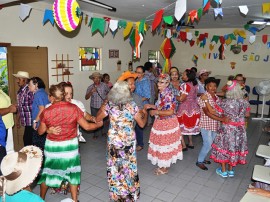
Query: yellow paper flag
{"points": [[266, 7], [228, 41], [137, 25], [242, 33], [128, 29]]}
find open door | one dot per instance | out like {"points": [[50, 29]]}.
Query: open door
{"points": [[34, 60]]}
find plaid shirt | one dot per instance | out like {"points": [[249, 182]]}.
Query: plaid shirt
{"points": [[25, 100], [102, 90], [206, 122]]}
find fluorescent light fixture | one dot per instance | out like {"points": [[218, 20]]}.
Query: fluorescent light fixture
{"points": [[102, 5], [259, 22]]}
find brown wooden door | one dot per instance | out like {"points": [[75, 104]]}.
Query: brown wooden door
{"points": [[33, 60]]}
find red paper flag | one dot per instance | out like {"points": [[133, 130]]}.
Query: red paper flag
{"points": [[206, 35], [193, 15], [244, 48], [107, 19], [191, 43], [157, 20], [207, 6], [264, 39], [183, 36], [222, 39], [201, 37]]}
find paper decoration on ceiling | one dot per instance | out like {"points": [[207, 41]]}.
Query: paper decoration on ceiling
{"points": [[268, 45], [252, 39], [168, 19], [193, 15], [266, 8], [233, 65], [205, 2], [167, 50], [180, 9], [98, 24], [195, 59], [218, 11], [128, 29], [264, 39], [169, 34], [211, 47], [66, 14], [157, 20], [207, 6], [113, 25], [48, 16], [24, 11], [243, 9], [189, 36], [136, 39]]}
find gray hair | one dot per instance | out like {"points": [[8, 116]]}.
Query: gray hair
{"points": [[120, 93], [235, 93]]}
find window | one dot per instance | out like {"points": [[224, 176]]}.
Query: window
{"points": [[90, 59], [3, 70], [153, 56]]}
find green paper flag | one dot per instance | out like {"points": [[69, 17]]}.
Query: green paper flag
{"points": [[141, 27], [232, 36], [98, 24], [246, 26], [199, 12], [215, 38], [168, 19], [202, 44], [122, 24], [132, 38], [197, 33]]}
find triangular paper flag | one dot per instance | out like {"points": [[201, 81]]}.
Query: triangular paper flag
{"points": [[266, 7], [191, 42], [180, 9], [122, 24], [158, 17], [252, 39], [193, 15], [205, 2], [207, 6], [113, 25], [243, 9], [264, 39], [244, 48], [142, 26], [189, 36], [98, 24], [169, 34], [86, 20], [48, 15], [24, 11], [128, 29], [240, 40], [200, 11], [211, 47], [168, 19], [218, 11]]}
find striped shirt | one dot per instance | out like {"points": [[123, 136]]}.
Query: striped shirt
{"points": [[25, 99]]}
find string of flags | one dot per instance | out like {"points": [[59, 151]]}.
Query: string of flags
{"points": [[135, 31]]}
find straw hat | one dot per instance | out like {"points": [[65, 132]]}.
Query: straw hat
{"points": [[202, 71], [95, 74], [20, 169], [126, 75], [22, 74]]}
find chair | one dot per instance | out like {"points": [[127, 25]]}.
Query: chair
{"points": [[256, 102], [247, 88]]}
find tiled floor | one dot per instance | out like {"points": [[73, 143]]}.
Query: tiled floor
{"points": [[185, 182]]}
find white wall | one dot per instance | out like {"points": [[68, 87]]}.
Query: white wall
{"points": [[31, 32]]}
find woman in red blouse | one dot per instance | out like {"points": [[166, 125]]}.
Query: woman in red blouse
{"points": [[62, 159]]}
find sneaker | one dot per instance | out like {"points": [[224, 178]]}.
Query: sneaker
{"points": [[230, 173], [222, 174]]}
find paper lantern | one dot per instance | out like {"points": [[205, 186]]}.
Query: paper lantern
{"points": [[167, 50], [65, 14]]}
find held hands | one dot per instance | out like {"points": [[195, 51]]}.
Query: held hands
{"points": [[225, 119], [149, 106], [99, 123], [153, 112]]}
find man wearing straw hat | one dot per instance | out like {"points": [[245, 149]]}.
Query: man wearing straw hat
{"points": [[24, 100]]}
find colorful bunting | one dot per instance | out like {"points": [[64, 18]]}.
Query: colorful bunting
{"points": [[222, 39], [197, 33], [244, 48], [183, 36], [215, 39], [189, 36], [191, 43], [218, 11], [48, 16], [167, 50], [127, 30], [113, 25], [142, 26], [253, 30], [193, 15], [268, 45], [240, 40], [180, 9], [24, 11], [207, 6], [195, 59], [157, 20], [136, 39], [252, 39], [211, 47], [200, 12], [122, 24], [243, 9], [205, 2]]}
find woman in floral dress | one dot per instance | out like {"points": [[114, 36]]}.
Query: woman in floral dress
{"points": [[122, 171], [188, 112], [165, 136], [230, 144]]}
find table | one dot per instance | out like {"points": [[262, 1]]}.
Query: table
{"points": [[263, 151]]}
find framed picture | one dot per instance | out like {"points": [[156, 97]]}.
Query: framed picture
{"points": [[113, 53]]}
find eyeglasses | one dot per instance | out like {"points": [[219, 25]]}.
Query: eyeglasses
{"points": [[239, 80]]}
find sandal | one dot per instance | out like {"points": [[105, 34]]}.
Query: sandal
{"points": [[159, 171]]}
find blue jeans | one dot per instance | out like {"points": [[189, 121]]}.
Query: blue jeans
{"points": [[139, 135], [208, 137]]}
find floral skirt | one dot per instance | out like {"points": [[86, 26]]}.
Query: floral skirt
{"points": [[122, 173], [189, 123], [230, 145], [62, 162], [165, 142]]}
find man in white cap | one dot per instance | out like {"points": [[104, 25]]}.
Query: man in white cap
{"points": [[202, 76], [24, 101]]}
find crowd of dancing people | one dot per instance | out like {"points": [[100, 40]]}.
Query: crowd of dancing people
{"points": [[177, 106]]}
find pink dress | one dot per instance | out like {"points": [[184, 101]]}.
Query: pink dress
{"points": [[189, 111], [165, 136]]}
